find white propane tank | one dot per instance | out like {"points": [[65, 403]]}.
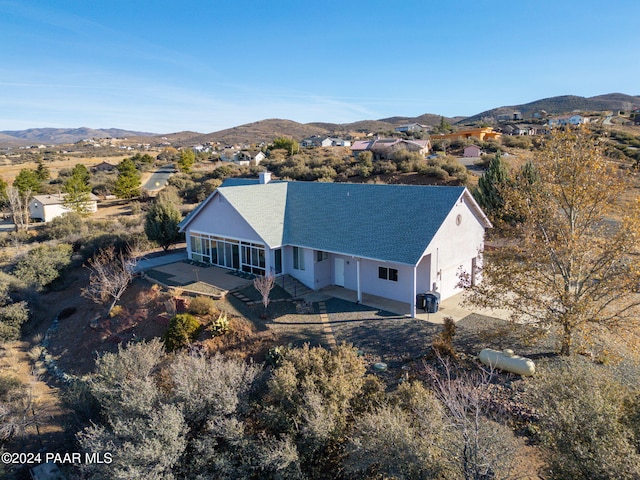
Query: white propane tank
{"points": [[507, 361]]}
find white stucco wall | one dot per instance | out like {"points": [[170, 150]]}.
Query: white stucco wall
{"points": [[323, 272], [454, 246], [305, 276], [402, 290]]}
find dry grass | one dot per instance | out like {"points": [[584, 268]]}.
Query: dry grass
{"points": [[9, 169]]}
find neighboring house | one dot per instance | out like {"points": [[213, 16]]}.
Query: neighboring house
{"points": [[522, 129], [318, 141], [506, 117], [249, 157], [336, 142], [482, 134], [411, 128], [568, 120], [393, 241], [103, 167], [472, 151], [383, 148], [48, 207]]}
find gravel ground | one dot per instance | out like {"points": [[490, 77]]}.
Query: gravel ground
{"points": [[380, 335]]}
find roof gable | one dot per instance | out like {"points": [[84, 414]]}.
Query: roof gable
{"points": [[262, 206]]}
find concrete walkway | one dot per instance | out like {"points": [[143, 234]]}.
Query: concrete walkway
{"points": [[451, 307]]}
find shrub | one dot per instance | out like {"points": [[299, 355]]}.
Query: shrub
{"points": [[68, 225], [220, 326], [43, 264], [433, 171], [584, 423], [443, 343], [202, 305], [517, 141], [12, 316], [452, 167], [183, 329]]}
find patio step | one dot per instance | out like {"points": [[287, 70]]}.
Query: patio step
{"points": [[292, 286]]}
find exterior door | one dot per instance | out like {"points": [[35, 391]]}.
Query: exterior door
{"points": [[277, 256], [339, 272]]}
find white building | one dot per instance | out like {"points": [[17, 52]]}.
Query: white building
{"points": [[48, 207], [393, 241]]}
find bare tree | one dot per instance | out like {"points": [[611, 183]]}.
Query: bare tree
{"points": [[481, 447], [19, 206], [264, 285], [111, 273]]}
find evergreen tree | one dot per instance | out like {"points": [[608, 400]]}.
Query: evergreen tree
{"points": [[4, 195], [161, 223], [27, 180], [42, 171], [187, 159], [77, 190], [488, 192], [128, 181], [82, 172]]}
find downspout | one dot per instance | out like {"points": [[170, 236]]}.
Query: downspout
{"points": [[413, 296], [359, 289]]}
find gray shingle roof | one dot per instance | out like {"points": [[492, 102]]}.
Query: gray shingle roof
{"points": [[262, 206], [395, 223], [387, 222]]}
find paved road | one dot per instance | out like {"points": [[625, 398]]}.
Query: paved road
{"points": [[470, 164], [159, 178]]}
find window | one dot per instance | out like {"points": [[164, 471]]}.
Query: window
{"points": [[320, 255], [388, 274], [230, 253], [298, 258]]}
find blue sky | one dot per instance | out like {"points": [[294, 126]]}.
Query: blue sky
{"points": [[167, 66]]}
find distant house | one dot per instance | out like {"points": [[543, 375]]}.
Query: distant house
{"points": [[392, 241], [103, 167], [524, 129], [567, 120], [249, 157], [48, 207], [482, 134], [411, 128], [318, 141], [471, 151], [384, 148]]}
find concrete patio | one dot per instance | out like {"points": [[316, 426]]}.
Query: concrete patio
{"points": [[184, 273], [451, 307]]}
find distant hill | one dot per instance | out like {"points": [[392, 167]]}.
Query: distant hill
{"points": [[52, 136], [564, 104], [262, 131], [266, 130]]}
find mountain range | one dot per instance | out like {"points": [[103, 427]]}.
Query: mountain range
{"points": [[267, 130]]}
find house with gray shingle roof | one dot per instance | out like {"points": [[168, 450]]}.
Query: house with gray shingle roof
{"points": [[393, 241], [384, 148]]}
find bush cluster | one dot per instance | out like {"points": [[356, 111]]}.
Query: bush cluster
{"points": [[183, 329]]}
